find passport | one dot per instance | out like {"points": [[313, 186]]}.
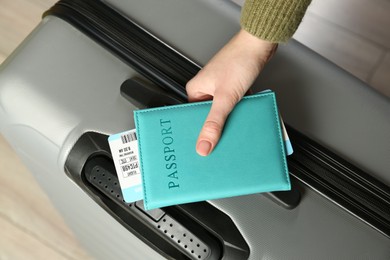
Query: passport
{"points": [[249, 158]]}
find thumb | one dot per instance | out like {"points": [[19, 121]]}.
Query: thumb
{"points": [[212, 129]]}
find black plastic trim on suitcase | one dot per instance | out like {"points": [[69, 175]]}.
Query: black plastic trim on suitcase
{"points": [[100, 172], [192, 231], [352, 189]]}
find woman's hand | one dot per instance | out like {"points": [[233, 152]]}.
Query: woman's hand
{"points": [[225, 79]]}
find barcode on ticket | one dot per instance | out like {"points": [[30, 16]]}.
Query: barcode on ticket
{"points": [[129, 137]]}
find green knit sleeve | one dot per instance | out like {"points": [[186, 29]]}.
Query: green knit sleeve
{"points": [[273, 20]]}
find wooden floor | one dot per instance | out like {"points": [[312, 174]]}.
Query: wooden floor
{"points": [[352, 33]]}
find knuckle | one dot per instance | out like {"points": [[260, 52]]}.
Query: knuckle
{"points": [[235, 96], [212, 128], [190, 85], [230, 99]]}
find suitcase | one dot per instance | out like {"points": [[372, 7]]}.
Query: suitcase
{"points": [[86, 67]]}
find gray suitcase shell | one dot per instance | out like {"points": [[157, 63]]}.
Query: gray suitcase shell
{"points": [[60, 84]]}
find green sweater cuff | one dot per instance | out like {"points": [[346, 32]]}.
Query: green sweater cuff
{"points": [[273, 20]]}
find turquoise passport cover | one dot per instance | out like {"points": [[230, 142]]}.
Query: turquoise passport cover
{"points": [[249, 158]]}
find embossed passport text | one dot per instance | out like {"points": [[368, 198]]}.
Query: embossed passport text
{"points": [[249, 158]]}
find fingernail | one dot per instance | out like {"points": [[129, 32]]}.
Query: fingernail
{"points": [[203, 148]]}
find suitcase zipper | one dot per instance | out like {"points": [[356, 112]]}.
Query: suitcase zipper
{"points": [[349, 187], [142, 51]]}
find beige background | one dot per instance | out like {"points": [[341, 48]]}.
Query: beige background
{"points": [[352, 33]]}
